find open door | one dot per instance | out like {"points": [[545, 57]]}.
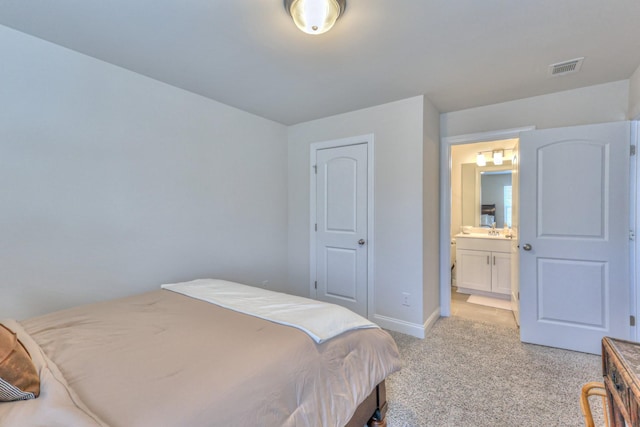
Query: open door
{"points": [[574, 235], [515, 232]]}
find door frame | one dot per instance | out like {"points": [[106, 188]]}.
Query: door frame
{"points": [[368, 140], [634, 226], [445, 201]]}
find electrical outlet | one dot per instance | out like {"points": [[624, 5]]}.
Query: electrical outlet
{"points": [[405, 299], [265, 283]]}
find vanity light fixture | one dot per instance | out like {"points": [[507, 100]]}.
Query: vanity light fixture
{"points": [[480, 160], [315, 16], [497, 157]]}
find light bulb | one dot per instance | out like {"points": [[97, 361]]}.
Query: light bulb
{"points": [[497, 158], [315, 16]]}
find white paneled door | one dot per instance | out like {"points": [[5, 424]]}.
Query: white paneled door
{"points": [[574, 235], [515, 229], [341, 234]]}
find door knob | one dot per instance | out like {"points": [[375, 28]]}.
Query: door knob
{"points": [[361, 242], [526, 247]]}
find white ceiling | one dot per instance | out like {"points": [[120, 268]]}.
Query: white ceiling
{"points": [[248, 53]]}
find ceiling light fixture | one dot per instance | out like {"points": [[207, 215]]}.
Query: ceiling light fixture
{"points": [[315, 16]]}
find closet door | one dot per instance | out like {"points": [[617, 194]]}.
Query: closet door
{"points": [[341, 235]]}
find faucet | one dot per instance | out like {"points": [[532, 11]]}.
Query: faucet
{"points": [[493, 231]]}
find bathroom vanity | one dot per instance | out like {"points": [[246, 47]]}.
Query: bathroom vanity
{"points": [[483, 264]]}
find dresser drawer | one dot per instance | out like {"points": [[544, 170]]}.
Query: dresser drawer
{"points": [[621, 371], [616, 384], [635, 410]]}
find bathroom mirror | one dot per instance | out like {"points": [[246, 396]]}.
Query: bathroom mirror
{"points": [[486, 185]]}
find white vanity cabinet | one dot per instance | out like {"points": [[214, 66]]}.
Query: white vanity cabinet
{"points": [[483, 264]]}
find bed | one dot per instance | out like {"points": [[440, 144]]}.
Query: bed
{"points": [[170, 358], [487, 215]]}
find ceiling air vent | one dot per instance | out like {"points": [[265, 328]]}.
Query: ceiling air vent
{"points": [[566, 67]]}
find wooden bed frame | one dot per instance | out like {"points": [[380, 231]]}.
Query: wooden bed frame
{"points": [[373, 411]]}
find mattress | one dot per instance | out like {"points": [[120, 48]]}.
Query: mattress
{"points": [[163, 358]]}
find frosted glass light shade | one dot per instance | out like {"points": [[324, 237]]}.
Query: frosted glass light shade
{"points": [[480, 160], [497, 158], [315, 16]]}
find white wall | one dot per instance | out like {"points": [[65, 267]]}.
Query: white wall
{"points": [[398, 134], [634, 95], [113, 183], [594, 104], [431, 212]]}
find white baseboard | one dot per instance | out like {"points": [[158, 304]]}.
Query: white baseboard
{"points": [[431, 320], [414, 329]]}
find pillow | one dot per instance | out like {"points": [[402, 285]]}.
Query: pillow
{"points": [[18, 376]]}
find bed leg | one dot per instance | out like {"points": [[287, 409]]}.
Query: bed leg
{"points": [[378, 423], [379, 418]]}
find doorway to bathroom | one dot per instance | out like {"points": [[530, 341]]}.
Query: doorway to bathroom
{"points": [[574, 224], [481, 230], [452, 219]]}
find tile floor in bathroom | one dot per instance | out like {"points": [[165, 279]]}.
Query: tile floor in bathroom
{"points": [[461, 308]]}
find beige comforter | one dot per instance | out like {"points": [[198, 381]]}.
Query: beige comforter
{"points": [[164, 359]]}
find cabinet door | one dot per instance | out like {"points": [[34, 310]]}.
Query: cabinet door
{"points": [[501, 272], [474, 269]]}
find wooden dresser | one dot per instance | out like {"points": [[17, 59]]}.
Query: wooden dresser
{"points": [[621, 370]]}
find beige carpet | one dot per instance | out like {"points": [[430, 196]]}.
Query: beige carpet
{"points": [[471, 374], [490, 302]]}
